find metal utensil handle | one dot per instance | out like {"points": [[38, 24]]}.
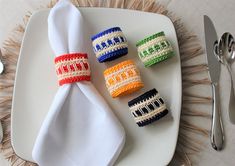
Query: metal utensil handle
{"points": [[217, 132], [1, 129], [1, 132], [232, 98]]}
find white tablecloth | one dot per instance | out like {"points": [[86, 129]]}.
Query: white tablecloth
{"points": [[191, 13]]}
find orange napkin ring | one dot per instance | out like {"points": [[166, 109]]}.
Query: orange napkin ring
{"points": [[71, 68], [123, 79]]}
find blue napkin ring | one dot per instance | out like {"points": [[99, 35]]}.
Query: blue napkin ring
{"points": [[109, 44]]}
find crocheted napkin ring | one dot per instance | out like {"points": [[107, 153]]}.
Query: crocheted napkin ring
{"points": [[154, 49], [109, 44], [147, 108], [71, 68], [123, 79]]}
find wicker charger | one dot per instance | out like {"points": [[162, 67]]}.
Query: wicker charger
{"points": [[189, 49]]}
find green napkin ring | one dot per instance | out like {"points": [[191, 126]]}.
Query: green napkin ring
{"points": [[154, 49]]}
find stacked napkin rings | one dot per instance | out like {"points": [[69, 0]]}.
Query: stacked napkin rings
{"points": [[154, 49], [109, 44], [147, 108], [123, 79], [72, 68]]}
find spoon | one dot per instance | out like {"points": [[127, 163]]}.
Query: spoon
{"points": [[1, 71], [1, 132], [227, 55], [1, 64]]}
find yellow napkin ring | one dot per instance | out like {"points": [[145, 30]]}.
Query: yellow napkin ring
{"points": [[123, 79]]}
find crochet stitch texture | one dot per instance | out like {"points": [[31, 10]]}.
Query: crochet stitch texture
{"points": [[147, 108], [109, 44], [154, 49], [71, 68], [123, 79]]}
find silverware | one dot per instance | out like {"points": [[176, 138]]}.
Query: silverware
{"points": [[217, 132], [227, 55], [1, 132], [1, 71], [1, 64]]}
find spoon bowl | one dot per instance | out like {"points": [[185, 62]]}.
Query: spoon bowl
{"points": [[227, 47], [1, 64], [226, 50]]}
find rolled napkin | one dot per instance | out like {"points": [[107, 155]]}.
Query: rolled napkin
{"points": [[79, 129], [109, 44], [122, 79], [154, 49], [147, 108]]}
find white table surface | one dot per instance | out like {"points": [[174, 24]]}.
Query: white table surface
{"points": [[191, 13]]}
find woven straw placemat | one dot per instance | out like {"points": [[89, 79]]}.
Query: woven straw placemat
{"points": [[193, 75]]}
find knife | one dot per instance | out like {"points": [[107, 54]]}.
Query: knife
{"points": [[217, 132]]}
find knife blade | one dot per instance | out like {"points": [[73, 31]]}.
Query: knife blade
{"points": [[211, 38], [217, 132]]}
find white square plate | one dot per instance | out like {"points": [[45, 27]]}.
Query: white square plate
{"points": [[36, 84]]}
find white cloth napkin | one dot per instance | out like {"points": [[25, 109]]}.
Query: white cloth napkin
{"points": [[79, 129]]}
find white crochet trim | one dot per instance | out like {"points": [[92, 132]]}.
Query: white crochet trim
{"points": [[144, 103], [106, 37], [67, 62], [124, 69], [151, 43], [123, 83], [76, 73], [160, 53], [111, 48], [150, 114]]}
